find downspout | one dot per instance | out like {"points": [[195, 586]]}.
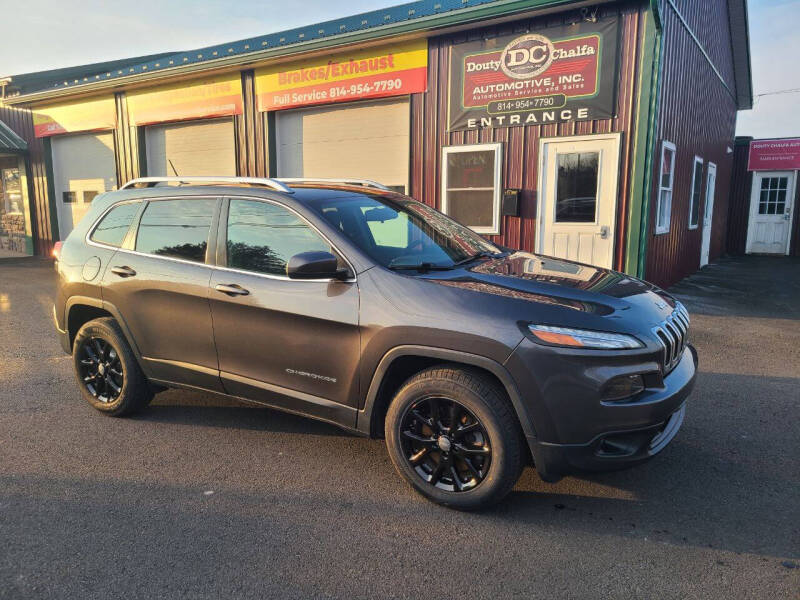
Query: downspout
{"points": [[652, 125]]}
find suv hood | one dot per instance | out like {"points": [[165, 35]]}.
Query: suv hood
{"points": [[561, 284]]}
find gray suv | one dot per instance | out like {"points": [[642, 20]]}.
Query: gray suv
{"points": [[347, 302]]}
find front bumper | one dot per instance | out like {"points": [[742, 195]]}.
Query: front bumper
{"points": [[640, 429]]}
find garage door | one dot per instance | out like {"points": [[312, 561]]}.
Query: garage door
{"points": [[368, 140], [83, 167], [194, 147]]}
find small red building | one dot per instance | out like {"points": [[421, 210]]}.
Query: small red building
{"points": [[601, 131]]}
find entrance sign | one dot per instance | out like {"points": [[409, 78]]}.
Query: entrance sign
{"points": [[94, 114], [381, 72], [203, 99], [566, 73], [774, 155]]}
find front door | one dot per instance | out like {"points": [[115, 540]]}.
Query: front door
{"points": [[290, 343], [770, 212], [708, 212], [578, 198]]}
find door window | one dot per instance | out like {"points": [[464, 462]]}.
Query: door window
{"points": [[772, 200], [697, 185], [176, 228], [472, 181], [262, 237], [576, 187], [112, 228]]}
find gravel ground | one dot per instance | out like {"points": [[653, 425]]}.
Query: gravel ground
{"points": [[200, 497]]}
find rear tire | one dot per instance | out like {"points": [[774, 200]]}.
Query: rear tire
{"points": [[453, 435], [108, 374]]}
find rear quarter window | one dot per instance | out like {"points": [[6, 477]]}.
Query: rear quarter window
{"points": [[114, 225]]}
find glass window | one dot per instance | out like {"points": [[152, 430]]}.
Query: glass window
{"points": [[112, 228], [697, 186], [471, 186], [262, 237], [665, 181], [576, 190], [400, 233], [772, 200], [176, 228]]}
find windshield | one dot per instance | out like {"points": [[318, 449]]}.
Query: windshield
{"points": [[398, 232]]}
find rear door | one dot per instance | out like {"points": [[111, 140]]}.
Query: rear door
{"points": [[159, 284], [771, 209], [289, 343]]}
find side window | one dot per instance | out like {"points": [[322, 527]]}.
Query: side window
{"points": [[262, 237], [666, 176], [176, 228], [112, 228]]}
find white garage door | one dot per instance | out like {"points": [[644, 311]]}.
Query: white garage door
{"points": [[368, 140], [83, 167], [194, 147]]}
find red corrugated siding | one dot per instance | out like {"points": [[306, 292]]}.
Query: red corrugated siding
{"points": [[520, 153], [698, 114], [21, 121]]}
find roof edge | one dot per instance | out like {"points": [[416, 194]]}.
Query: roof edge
{"points": [[740, 46], [437, 21]]}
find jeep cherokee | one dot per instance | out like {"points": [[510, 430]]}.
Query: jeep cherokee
{"points": [[347, 302]]}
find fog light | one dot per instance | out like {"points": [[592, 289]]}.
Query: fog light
{"points": [[623, 387]]}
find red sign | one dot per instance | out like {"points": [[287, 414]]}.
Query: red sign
{"points": [[774, 155]]}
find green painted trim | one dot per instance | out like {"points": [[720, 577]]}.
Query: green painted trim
{"points": [[639, 138], [51, 189], [645, 194], [466, 16]]}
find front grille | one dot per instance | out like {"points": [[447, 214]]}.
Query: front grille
{"points": [[673, 334]]}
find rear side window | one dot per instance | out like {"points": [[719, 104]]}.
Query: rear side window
{"points": [[176, 228], [112, 228], [263, 237]]}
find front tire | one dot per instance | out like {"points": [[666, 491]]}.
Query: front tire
{"points": [[108, 374], [453, 435]]}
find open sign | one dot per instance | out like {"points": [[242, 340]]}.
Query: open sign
{"points": [[527, 56]]}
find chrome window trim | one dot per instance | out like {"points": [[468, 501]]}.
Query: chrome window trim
{"points": [[89, 242]]}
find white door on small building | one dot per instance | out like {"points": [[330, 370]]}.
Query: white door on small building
{"points": [[360, 140], [578, 198], [191, 148], [83, 167], [771, 208], [708, 213]]}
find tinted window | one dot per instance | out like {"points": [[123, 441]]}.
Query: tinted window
{"points": [[576, 191], [112, 228], [262, 237], [176, 228]]}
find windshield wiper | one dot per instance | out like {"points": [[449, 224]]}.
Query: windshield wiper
{"points": [[484, 254], [422, 267]]}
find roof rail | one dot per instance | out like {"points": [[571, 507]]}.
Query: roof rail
{"points": [[153, 181], [361, 182]]}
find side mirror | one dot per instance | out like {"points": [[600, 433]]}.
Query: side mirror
{"points": [[315, 265]]}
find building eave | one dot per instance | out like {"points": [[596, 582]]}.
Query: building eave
{"points": [[740, 45], [146, 73]]}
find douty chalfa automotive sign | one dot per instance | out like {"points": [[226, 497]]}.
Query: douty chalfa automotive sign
{"points": [[559, 74], [379, 72]]}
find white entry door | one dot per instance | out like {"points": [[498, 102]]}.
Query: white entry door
{"points": [[578, 198], [770, 212], [708, 213], [83, 167]]}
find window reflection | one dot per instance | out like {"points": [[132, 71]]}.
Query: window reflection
{"points": [[576, 190], [176, 228]]}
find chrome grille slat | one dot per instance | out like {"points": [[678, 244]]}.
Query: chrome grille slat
{"points": [[672, 334]]}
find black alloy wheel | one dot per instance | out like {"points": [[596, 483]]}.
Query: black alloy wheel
{"points": [[445, 444], [101, 370]]}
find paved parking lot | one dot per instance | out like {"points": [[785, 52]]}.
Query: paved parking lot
{"points": [[204, 498]]}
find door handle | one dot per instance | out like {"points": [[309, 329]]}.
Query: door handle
{"points": [[604, 232], [123, 271], [232, 289]]}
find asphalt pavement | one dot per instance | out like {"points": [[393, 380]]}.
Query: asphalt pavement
{"points": [[201, 497]]}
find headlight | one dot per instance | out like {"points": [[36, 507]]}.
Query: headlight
{"points": [[582, 338]]}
